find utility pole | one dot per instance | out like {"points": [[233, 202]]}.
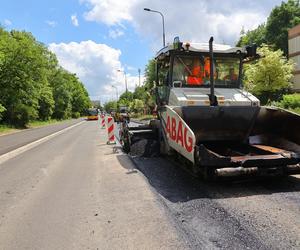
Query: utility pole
{"points": [[125, 76], [139, 70]]}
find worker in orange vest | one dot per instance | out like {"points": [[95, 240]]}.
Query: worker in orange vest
{"points": [[196, 74]]}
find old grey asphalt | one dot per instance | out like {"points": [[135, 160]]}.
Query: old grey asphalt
{"points": [[13, 141], [76, 192]]}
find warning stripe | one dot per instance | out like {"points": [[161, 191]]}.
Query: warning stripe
{"points": [[110, 129]]}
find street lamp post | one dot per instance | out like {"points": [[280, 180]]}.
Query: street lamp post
{"points": [[139, 70], [163, 23], [125, 79], [116, 91]]}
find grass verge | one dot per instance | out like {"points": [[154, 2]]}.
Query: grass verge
{"points": [[6, 129], [35, 124]]}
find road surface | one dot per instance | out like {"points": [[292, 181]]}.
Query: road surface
{"points": [[76, 192], [13, 141]]}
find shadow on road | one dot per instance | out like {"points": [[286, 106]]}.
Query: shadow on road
{"points": [[126, 163], [176, 185]]}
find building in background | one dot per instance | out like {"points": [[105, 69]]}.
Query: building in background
{"points": [[294, 54]]}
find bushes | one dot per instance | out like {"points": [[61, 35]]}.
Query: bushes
{"points": [[269, 76], [22, 114], [291, 102]]}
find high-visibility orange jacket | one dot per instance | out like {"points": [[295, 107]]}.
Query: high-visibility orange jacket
{"points": [[196, 77], [207, 68]]}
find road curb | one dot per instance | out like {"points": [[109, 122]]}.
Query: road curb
{"points": [[20, 150]]}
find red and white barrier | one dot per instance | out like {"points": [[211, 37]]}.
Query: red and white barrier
{"points": [[111, 130], [102, 121]]}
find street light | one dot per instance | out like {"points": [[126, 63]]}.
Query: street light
{"points": [[116, 91], [125, 78], [163, 23], [139, 70]]}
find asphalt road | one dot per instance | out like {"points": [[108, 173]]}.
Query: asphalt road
{"points": [[76, 192], [253, 214], [12, 141]]}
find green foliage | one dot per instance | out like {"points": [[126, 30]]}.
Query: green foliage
{"points": [[125, 99], [256, 36], [111, 106], [80, 100], [75, 115], [137, 106], [21, 114], [127, 96], [32, 84], [22, 75], [2, 110], [275, 31], [269, 75], [281, 19], [291, 101], [46, 103], [145, 92], [150, 74]]}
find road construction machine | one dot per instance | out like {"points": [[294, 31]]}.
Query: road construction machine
{"points": [[209, 121]]}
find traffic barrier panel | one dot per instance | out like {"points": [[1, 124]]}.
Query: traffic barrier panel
{"points": [[102, 121], [111, 130]]}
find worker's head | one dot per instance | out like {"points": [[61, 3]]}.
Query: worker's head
{"points": [[196, 62]]}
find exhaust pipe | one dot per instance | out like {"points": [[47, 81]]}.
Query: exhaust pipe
{"points": [[212, 97]]}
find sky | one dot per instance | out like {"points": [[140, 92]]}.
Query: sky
{"points": [[102, 40]]}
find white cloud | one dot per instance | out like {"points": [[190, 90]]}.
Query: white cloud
{"points": [[74, 20], [96, 65], [51, 23], [110, 12], [193, 20], [115, 33], [7, 22]]}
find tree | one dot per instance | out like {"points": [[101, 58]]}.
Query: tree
{"points": [[137, 106], [270, 75], [22, 75], [80, 99], [61, 94], [256, 36], [150, 74], [32, 85], [281, 19], [46, 103], [275, 31], [145, 92], [110, 106]]}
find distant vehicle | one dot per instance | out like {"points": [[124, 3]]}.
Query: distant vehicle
{"points": [[92, 114]]}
